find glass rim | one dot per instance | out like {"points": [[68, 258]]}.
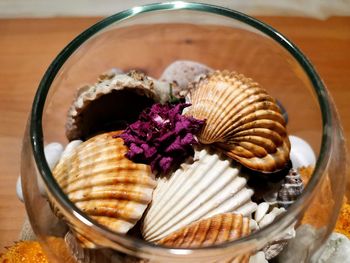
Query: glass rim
{"points": [[36, 129]]}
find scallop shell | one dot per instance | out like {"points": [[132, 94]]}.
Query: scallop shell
{"points": [[207, 186], [115, 100], [241, 119], [211, 231], [291, 188], [104, 184]]}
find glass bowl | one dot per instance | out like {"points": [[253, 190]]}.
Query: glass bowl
{"points": [[149, 38]]}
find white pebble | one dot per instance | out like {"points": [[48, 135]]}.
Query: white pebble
{"points": [[261, 211], [53, 152], [19, 191], [301, 153], [335, 250], [70, 148], [183, 72], [258, 258]]}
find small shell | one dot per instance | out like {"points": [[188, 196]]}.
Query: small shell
{"points": [[301, 153], [207, 187], [104, 184], [291, 188], [264, 216], [273, 250], [111, 103], [241, 119], [212, 231]]}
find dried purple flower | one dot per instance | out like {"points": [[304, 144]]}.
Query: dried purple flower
{"points": [[162, 137]]}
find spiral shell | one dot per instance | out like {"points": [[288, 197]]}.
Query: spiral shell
{"points": [[211, 231], [291, 189], [115, 100], [207, 186], [104, 184], [241, 119]]}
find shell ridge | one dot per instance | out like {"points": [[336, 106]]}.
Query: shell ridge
{"points": [[203, 196], [196, 179]]}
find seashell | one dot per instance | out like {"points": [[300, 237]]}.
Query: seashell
{"points": [[264, 216], [181, 73], [274, 249], [111, 103], [104, 184], [208, 186], [292, 187], [241, 119], [301, 153], [211, 231]]}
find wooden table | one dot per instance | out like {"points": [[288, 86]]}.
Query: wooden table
{"points": [[27, 46]]}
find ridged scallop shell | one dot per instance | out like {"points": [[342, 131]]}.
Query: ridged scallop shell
{"points": [[116, 99], [211, 231], [104, 184], [241, 119], [291, 189], [208, 186]]}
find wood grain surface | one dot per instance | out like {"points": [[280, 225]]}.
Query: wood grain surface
{"points": [[27, 46]]}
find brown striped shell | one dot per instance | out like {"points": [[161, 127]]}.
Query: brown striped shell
{"points": [[206, 232], [114, 101], [103, 183], [241, 119]]}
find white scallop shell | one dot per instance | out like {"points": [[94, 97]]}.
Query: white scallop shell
{"points": [[207, 187], [301, 153]]}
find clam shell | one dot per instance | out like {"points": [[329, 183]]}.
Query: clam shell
{"points": [[211, 231], [104, 184], [291, 189], [115, 100], [207, 186], [241, 119]]}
